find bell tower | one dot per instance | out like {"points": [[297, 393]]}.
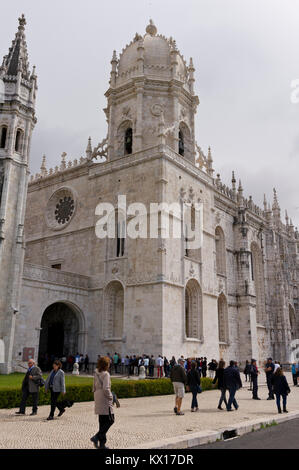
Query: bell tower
{"points": [[17, 120], [151, 98]]}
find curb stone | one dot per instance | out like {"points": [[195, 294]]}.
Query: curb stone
{"points": [[187, 441]]}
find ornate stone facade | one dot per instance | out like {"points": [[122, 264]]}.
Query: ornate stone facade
{"points": [[235, 297]]}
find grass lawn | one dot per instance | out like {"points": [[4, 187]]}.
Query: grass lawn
{"points": [[15, 380]]}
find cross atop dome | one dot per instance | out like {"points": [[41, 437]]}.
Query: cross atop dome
{"points": [[151, 28]]}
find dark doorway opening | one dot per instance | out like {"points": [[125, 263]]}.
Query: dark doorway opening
{"points": [[59, 334], [56, 339]]}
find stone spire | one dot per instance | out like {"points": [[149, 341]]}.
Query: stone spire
{"points": [[63, 162], [113, 72], [240, 194], [43, 168], [89, 149], [265, 203], [17, 59], [275, 207], [191, 71], [234, 188], [210, 170]]}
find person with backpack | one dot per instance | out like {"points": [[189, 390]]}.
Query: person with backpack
{"points": [[55, 382], [193, 382], [281, 389], [30, 386], [219, 378]]}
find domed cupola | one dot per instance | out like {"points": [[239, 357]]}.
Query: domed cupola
{"points": [[151, 98], [152, 55]]}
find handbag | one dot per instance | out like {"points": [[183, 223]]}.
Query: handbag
{"points": [[40, 382], [199, 389]]}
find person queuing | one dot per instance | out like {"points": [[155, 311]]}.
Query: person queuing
{"points": [[193, 382], [247, 371], [178, 378], [30, 386], [159, 364], [254, 376], [55, 382], [232, 381], [103, 400], [294, 374], [219, 378], [269, 369], [281, 389]]}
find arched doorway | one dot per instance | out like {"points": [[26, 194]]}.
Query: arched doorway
{"points": [[59, 336]]}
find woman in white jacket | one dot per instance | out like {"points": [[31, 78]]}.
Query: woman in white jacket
{"points": [[103, 401]]}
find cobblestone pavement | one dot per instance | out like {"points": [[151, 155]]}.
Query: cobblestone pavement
{"points": [[138, 420]]}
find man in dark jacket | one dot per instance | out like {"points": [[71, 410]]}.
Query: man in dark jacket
{"points": [[30, 387], [254, 375], [178, 378], [232, 381], [269, 369]]}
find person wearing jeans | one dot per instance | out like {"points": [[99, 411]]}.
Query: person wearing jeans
{"points": [[193, 382], [219, 378], [103, 400], [232, 382], [56, 384]]}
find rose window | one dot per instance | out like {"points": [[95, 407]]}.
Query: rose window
{"points": [[60, 209], [64, 210]]}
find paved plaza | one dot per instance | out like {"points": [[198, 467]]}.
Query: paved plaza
{"points": [[138, 421]]}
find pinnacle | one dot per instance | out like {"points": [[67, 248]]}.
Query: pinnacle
{"points": [[151, 28]]}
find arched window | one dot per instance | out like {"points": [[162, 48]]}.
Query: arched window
{"points": [[181, 143], [114, 310], [3, 137], [128, 141], [220, 251], [193, 309], [259, 282], [222, 319], [19, 139]]}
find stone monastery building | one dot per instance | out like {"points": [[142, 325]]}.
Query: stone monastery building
{"points": [[63, 289]]}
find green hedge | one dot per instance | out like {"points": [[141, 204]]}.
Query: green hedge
{"points": [[11, 397]]}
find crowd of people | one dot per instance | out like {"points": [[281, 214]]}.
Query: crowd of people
{"points": [[45, 362], [185, 374], [130, 365]]}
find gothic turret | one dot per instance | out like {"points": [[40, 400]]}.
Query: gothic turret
{"points": [[150, 84], [17, 120]]}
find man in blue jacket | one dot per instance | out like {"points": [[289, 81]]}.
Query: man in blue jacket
{"points": [[232, 382]]}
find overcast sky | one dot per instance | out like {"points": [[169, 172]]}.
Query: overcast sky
{"points": [[246, 54]]}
